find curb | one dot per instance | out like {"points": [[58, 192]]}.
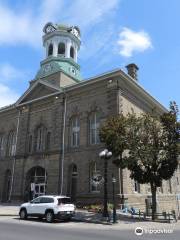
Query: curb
{"points": [[13, 215], [94, 222]]}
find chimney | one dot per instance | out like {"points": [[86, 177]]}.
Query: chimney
{"points": [[132, 70]]}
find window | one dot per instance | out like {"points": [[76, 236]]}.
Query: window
{"points": [[75, 131], [47, 200], [160, 189], [48, 141], [2, 145], [136, 186], [61, 48], [36, 200], [94, 128], [94, 173], [40, 132], [50, 50], [64, 201], [30, 144], [11, 144], [177, 180], [169, 186], [72, 52]]}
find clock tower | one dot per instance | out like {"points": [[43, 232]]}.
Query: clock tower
{"points": [[61, 43]]}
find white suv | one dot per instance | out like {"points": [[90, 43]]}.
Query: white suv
{"points": [[50, 207]]}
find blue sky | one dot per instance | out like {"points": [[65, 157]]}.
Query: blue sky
{"points": [[114, 33]]}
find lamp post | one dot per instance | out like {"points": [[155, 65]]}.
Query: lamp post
{"points": [[105, 154], [114, 199]]}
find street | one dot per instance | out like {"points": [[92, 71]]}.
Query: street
{"points": [[11, 228]]}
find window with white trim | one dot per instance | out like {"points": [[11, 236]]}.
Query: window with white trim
{"points": [[61, 49], [94, 128], [137, 187], [2, 145], [75, 131], [11, 144], [40, 133], [50, 49]]}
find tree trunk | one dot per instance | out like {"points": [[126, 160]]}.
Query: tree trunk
{"points": [[153, 191]]}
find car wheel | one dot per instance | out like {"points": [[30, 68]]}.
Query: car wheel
{"points": [[49, 216], [23, 214]]}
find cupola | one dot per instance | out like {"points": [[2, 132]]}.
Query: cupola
{"points": [[61, 43]]}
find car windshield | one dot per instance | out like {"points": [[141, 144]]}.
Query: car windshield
{"points": [[64, 200]]}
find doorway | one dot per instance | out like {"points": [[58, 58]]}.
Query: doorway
{"points": [[72, 182], [36, 183], [6, 186]]}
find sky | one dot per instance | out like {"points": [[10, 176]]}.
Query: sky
{"points": [[114, 33]]}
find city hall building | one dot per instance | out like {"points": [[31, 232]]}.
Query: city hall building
{"points": [[49, 138]]}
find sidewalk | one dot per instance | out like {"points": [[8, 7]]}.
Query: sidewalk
{"points": [[12, 209], [8, 209]]}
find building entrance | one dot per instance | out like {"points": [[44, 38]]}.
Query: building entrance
{"points": [[39, 189], [36, 182]]}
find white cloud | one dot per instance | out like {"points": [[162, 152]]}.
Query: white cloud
{"points": [[86, 13], [7, 96], [10, 76], [25, 26], [130, 42], [9, 72]]}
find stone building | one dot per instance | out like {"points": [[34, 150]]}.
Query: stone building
{"points": [[49, 140]]}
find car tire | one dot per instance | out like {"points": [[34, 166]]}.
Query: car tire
{"points": [[23, 214], [49, 216]]}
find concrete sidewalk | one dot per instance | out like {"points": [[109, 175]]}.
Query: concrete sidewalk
{"points": [[12, 209], [9, 209]]}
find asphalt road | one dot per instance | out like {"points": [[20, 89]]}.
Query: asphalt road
{"points": [[15, 229]]}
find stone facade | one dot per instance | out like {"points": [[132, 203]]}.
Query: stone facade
{"points": [[48, 154]]}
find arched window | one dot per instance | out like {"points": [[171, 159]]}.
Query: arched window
{"points": [[75, 131], [40, 141], [50, 50], [61, 48], [72, 52], [30, 144], [94, 128], [2, 145], [48, 141], [11, 144]]}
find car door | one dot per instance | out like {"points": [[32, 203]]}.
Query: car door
{"points": [[46, 203], [34, 206]]}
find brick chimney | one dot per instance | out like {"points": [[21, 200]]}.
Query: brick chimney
{"points": [[132, 70]]}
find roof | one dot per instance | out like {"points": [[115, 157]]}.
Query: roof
{"points": [[138, 89], [55, 196]]}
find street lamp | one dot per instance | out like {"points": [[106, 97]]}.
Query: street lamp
{"points": [[114, 200], [105, 154]]}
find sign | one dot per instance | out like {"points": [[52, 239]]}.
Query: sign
{"points": [[32, 187], [97, 179]]}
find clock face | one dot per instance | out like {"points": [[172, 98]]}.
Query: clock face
{"points": [[50, 29], [47, 68], [75, 32], [73, 70]]}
